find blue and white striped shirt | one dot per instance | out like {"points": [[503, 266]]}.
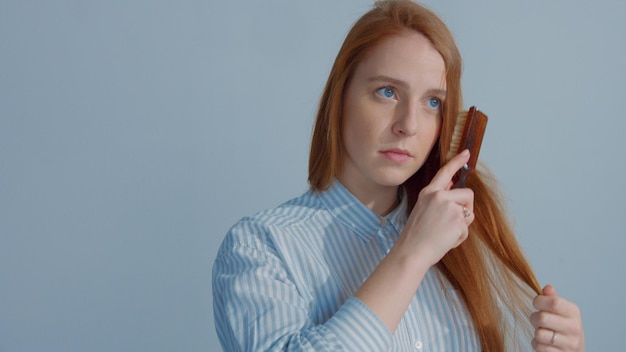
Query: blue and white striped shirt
{"points": [[284, 280]]}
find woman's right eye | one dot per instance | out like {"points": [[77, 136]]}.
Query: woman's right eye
{"points": [[386, 92]]}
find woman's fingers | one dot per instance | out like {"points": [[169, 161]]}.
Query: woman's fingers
{"points": [[442, 184], [443, 178], [550, 302], [557, 322], [440, 219]]}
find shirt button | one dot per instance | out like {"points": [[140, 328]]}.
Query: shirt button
{"points": [[417, 345], [383, 221]]}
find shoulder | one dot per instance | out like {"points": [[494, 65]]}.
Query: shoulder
{"points": [[260, 229]]}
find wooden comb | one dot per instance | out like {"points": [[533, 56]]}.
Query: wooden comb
{"points": [[468, 134]]}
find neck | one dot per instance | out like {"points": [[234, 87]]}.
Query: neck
{"points": [[382, 200], [386, 207]]}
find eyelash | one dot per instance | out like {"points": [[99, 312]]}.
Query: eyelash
{"points": [[439, 101], [393, 90], [380, 94]]}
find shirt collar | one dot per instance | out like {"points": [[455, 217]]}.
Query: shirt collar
{"points": [[364, 221]]}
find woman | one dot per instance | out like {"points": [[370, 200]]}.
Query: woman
{"points": [[381, 254]]}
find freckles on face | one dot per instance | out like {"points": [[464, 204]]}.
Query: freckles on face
{"points": [[392, 111]]}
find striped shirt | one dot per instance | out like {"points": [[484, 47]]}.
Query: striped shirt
{"points": [[284, 279]]}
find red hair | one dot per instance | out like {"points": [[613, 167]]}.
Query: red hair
{"points": [[488, 269]]}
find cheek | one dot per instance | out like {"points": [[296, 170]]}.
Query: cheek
{"points": [[349, 127], [431, 131], [356, 126], [354, 135]]}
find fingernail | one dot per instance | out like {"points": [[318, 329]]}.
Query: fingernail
{"points": [[465, 152]]}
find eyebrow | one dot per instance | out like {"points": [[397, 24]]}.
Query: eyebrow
{"points": [[403, 84], [388, 79]]}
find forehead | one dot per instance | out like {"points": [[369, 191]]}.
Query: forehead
{"points": [[408, 56]]}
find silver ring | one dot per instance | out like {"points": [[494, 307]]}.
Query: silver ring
{"points": [[553, 338], [466, 212]]}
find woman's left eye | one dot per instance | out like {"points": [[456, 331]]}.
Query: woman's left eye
{"points": [[386, 92], [434, 103]]}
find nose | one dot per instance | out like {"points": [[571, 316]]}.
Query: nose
{"points": [[406, 120]]}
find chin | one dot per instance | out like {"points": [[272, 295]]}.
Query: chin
{"points": [[393, 180]]}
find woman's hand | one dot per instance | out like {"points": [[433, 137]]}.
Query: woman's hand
{"points": [[441, 217], [437, 223], [557, 322]]}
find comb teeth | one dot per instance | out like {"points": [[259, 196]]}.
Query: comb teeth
{"points": [[455, 142]]}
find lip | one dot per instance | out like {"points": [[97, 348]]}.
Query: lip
{"points": [[397, 155]]}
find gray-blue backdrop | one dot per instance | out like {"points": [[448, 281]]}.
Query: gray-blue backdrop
{"points": [[133, 134]]}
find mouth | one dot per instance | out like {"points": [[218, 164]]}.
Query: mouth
{"points": [[397, 155]]}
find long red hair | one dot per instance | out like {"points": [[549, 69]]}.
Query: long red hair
{"points": [[488, 269]]}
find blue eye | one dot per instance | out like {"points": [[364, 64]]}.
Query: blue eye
{"points": [[386, 92], [434, 103]]}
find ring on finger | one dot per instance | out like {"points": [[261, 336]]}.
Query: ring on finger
{"points": [[554, 333], [466, 212]]}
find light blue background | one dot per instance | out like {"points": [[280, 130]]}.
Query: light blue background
{"points": [[133, 134]]}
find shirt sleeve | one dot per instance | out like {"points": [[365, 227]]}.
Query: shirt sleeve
{"points": [[258, 308]]}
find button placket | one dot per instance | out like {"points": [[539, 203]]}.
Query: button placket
{"points": [[413, 335], [384, 241]]}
